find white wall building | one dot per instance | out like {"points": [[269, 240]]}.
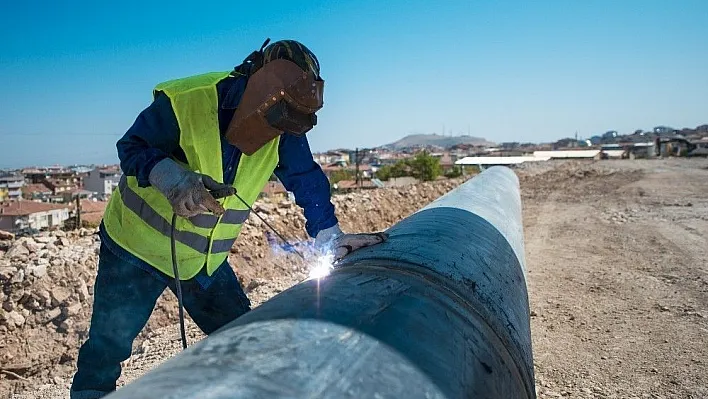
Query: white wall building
{"points": [[102, 181], [16, 216]]}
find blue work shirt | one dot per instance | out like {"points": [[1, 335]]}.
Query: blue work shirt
{"points": [[155, 136]]}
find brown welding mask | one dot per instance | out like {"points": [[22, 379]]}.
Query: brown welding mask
{"points": [[279, 97]]}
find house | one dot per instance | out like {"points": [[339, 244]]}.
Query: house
{"points": [[274, 190], [57, 174], [329, 157], [59, 186], [568, 154], [18, 216], [91, 211], [69, 196], [102, 181], [351, 185], [11, 186], [36, 192]]}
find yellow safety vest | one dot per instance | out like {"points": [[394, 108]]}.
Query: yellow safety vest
{"points": [[139, 218]]}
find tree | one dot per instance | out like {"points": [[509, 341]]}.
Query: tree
{"points": [[422, 167], [425, 167], [456, 171], [339, 175], [399, 169]]}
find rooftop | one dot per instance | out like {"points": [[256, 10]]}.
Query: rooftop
{"points": [[36, 188], [22, 208]]}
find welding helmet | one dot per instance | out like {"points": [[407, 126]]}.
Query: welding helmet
{"points": [[283, 92]]}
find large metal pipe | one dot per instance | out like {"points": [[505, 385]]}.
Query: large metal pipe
{"points": [[438, 311]]}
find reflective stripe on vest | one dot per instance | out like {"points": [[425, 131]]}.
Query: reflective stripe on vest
{"points": [[199, 243], [139, 218]]}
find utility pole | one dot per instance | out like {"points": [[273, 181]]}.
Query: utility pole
{"points": [[78, 211], [356, 160]]}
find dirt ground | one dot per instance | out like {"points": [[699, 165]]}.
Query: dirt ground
{"points": [[617, 259], [618, 279]]}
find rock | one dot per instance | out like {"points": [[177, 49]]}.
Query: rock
{"points": [[64, 241], [51, 315], [5, 245], [263, 208], [38, 270], [60, 233], [8, 306], [72, 310], [59, 295], [7, 272], [65, 326], [17, 250], [43, 239], [31, 245], [44, 297], [5, 235], [82, 290], [18, 277], [15, 318], [83, 232]]}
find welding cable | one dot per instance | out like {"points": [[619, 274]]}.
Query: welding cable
{"points": [[290, 246], [178, 285]]}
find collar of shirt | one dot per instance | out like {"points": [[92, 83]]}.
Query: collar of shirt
{"points": [[234, 88]]}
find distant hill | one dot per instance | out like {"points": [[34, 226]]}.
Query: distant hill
{"points": [[416, 140]]}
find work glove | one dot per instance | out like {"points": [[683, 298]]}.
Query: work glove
{"points": [[339, 244], [187, 191]]}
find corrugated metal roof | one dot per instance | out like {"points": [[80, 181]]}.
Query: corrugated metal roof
{"points": [[499, 160], [567, 154]]}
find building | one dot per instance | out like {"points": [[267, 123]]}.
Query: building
{"points": [[11, 186], [330, 157], [274, 190], [19, 216], [91, 212], [56, 174], [37, 192], [496, 161], [351, 185], [102, 181], [568, 154], [59, 186]]}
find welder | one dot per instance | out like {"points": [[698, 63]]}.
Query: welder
{"points": [[199, 135]]}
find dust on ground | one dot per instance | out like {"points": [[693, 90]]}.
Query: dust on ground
{"points": [[617, 259]]}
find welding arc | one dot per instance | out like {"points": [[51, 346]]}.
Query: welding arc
{"points": [[271, 227]]}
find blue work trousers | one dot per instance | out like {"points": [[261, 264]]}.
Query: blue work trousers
{"points": [[124, 297]]}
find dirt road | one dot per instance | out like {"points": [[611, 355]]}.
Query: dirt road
{"points": [[617, 257]]}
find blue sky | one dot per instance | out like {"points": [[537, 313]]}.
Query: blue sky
{"points": [[74, 75]]}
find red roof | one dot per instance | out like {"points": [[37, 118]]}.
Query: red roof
{"points": [[22, 208], [350, 184], [274, 187], [92, 206], [36, 188]]}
